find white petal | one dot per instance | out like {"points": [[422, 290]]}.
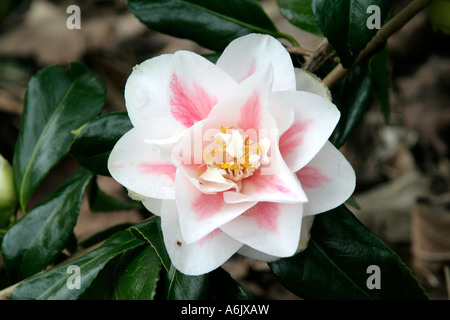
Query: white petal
{"points": [[201, 213], [146, 90], [328, 180], [315, 120], [269, 227], [284, 117], [185, 151], [305, 234], [153, 205], [137, 167], [251, 53], [196, 85], [274, 183], [256, 255], [214, 175], [309, 82], [199, 257], [246, 106]]}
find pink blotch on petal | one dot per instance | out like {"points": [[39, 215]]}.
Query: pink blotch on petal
{"points": [[158, 169], [311, 177], [293, 137], [189, 106], [251, 113], [207, 205], [265, 215]]}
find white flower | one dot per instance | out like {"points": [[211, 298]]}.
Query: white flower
{"points": [[233, 156]]}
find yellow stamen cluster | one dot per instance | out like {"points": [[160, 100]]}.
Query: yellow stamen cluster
{"points": [[233, 153]]}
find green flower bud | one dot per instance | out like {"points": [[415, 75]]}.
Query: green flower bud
{"points": [[8, 197]]}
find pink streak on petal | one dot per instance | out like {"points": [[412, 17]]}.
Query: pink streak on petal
{"points": [[265, 215], [311, 177], [251, 70], [117, 166], [207, 205], [210, 236], [270, 183], [189, 106], [251, 113], [158, 169], [293, 137]]}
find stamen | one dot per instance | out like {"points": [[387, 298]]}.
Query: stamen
{"points": [[233, 155]]}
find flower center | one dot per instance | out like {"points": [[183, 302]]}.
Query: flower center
{"points": [[233, 155]]}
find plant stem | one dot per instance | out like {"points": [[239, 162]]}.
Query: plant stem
{"points": [[290, 38], [380, 38]]}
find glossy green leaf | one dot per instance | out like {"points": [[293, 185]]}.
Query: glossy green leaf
{"points": [[352, 97], [336, 264], [300, 14], [179, 286], [378, 67], [103, 235], [100, 201], [139, 277], [150, 230], [38, 238], [93, 144], [55, 284], [215, 285], [176, 285], [224, 287], [212, 24], [57, 102], [344, 24]]}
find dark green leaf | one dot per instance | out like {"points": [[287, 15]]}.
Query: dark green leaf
{"points": [[216, 285], [53, 284], [100, 201], [336, 261], [139, 276], [300, 14], [104, 234], [92, 146], [224, 287], [57, 101], [150, 230], [378, 66], [212, 24], [179, 286], [344, 24], [35, 240], [219, 284], [102, 287], [358, 32], [352, 97]]}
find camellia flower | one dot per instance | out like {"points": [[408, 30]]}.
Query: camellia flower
{"points": [[233, 156]]}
